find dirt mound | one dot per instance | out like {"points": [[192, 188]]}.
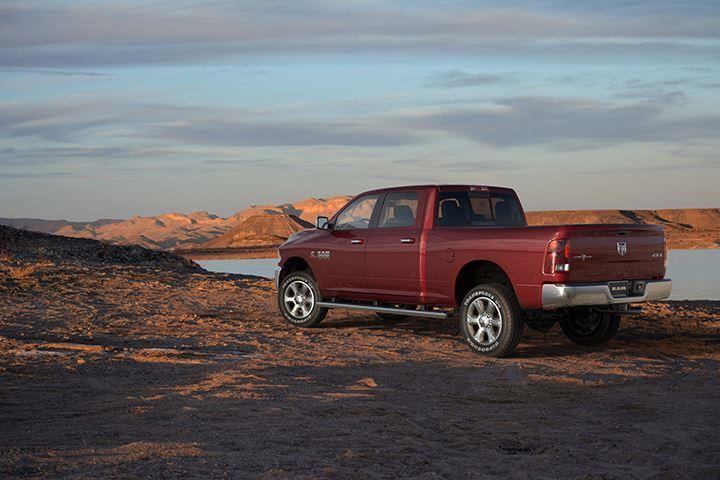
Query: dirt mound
{"points": [[260, 230], [26, 246]]}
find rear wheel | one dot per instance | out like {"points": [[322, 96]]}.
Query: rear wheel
{"points": [[491, 320], [589, 327], [297, 298]]}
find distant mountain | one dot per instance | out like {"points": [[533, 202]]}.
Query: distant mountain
{"points": [[259, 230], [175, 230], [684, 227], [51, 226], [162, 232], [307, 209]]}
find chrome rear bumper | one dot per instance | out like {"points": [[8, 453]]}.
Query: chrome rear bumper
{"points": [[558, 296]]}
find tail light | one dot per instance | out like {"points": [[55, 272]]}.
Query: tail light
{"points": [[665, 253], [557, 256]]}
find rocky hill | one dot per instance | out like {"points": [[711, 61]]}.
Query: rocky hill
{"points": [[53, 226], [307, 209], [33, 247], [259, 230], [176, 230], [160, 232]]}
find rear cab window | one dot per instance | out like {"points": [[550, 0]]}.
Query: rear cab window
{"points": [[484, 207]]}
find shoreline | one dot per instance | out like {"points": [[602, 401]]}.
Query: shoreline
{"points": [[228, 253]]}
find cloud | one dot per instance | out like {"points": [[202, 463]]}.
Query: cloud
{"points": [[63, 35], [553, 122], [56, 73], [667, 91], [28, 157], [523, 121], [458, 165], [57, 122], [459, 79], [63, 122], [285, 133]]}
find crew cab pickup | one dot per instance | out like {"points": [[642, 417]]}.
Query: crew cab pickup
{"points": [[437, 251]]}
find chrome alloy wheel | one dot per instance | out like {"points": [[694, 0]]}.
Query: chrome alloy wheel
{"points": [[484, 321], [299, 299]]}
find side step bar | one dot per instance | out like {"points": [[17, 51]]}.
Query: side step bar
{"points": [[393, 311]]}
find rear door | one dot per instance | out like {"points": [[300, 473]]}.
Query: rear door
{"points": [[392, 254], [341, 257]]}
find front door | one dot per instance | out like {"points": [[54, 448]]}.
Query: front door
{"points": [[342, 254], [392, 254]]}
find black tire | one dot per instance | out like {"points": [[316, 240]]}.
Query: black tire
{"points": [[304, 313], [589, 327], [390, 317], [507, 335]]}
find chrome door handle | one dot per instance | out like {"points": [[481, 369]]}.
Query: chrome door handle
{"points": [[356, 241], [407, 240]]}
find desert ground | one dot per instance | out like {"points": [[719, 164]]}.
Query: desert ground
{"points": [[117, 362]]}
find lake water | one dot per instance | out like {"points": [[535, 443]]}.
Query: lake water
{"points": [[695, 273]]}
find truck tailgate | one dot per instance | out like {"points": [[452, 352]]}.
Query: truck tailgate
{"points": [[615, 252]]}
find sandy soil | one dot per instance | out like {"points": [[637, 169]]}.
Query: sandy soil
{"points": [[127, 371]]}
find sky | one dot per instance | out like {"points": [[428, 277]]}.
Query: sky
{"points": [[114, 109]]}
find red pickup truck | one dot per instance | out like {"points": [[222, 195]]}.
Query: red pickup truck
{"points": [[440, 250]]}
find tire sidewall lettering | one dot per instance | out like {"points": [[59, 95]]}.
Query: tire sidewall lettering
{"points": [[470, 341], [287, 281]]}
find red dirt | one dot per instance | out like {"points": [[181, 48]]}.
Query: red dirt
{"points": [[123, 371]]}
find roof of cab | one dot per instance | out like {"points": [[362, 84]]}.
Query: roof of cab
{"points": [[441, 187]]}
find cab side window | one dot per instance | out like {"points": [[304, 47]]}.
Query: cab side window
{"points": [[453, 209], [357, 215], [506, 211], [462, 208], [399, 210]]}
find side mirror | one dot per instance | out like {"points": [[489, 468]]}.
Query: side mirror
{"points": [[322, 223]]}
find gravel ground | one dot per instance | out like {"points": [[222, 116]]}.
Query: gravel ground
{"points": [[130, 370]]}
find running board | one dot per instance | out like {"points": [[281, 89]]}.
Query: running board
{"points": [[392, 311]]}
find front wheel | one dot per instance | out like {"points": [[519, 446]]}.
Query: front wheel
{"points": [[491, 320], [297, 298], [589, 327]]}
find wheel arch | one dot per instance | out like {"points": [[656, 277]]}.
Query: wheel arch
{"points": [[294, 264], [477, 272]]}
